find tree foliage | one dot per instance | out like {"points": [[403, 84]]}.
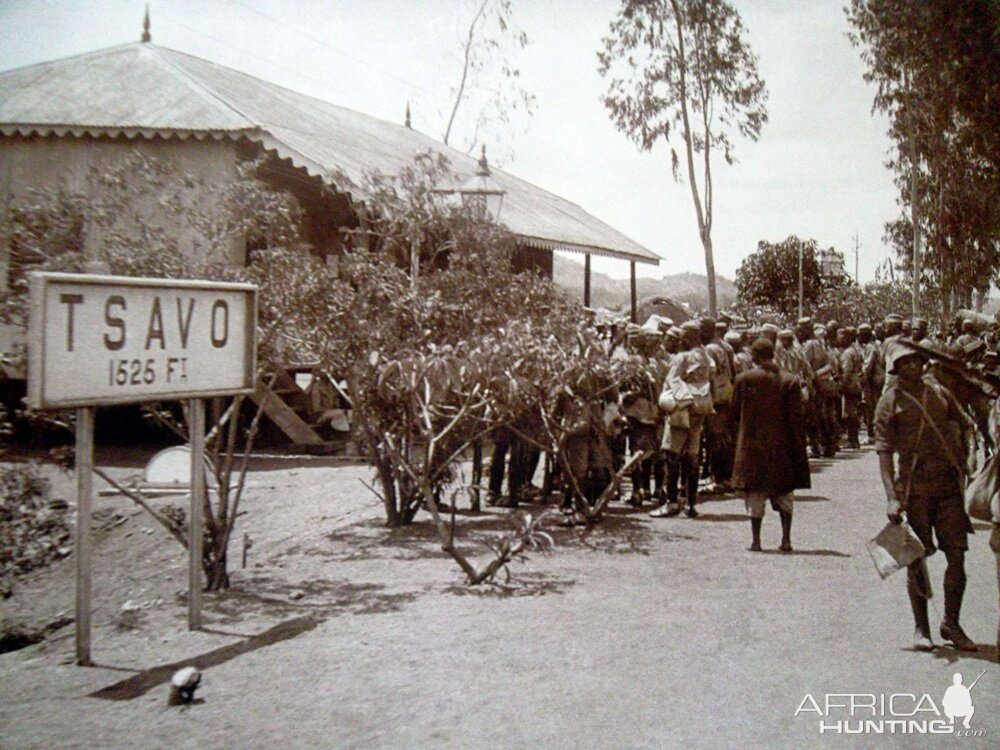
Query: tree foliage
{"points": [[851, 304], [770, 277], [936, 68], [438, 360], [683, 67], [412, 346]]}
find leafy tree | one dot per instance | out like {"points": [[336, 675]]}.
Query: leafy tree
{"points": [[936, 67], [437, 360], [489, 87], [770, 276], [684, 64], [388, 331], [851, 304]]}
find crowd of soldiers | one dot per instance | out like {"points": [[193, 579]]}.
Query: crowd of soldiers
{"points": [[841, 371], [686, 416]]}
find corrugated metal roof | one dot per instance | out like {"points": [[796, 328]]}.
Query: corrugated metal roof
{"points": [[143, 90]]}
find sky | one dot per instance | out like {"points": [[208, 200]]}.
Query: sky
{"points": [[817, 170]]}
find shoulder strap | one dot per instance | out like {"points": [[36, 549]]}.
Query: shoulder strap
{"points": [[926, 419]]}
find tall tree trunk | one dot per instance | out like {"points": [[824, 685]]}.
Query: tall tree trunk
{"points": [[945, 303], [469, 40], [706, 241], [704, 229]]}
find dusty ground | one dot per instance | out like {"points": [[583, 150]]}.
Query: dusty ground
{"points": [[640, 633]]}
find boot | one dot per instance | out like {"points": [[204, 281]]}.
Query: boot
{"points": [[918, 603], [755, 524], [950, 629], [671, 507], [853, 439], [659, 481], [786, 531], [692, 493], [953, 632]]}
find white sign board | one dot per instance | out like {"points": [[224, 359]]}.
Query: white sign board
{"points": [[100, 340]]}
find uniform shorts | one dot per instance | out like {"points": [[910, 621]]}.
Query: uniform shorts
{"points": [[757, 500], [945, 515], [686, 442]]}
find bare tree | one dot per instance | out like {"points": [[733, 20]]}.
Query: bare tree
{"points": [[684, 63], [489, 84]]}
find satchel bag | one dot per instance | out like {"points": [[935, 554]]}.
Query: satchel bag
{"points": [[669, 402], [895, 547], [681, 419], [702, 394], [722, 387], [982, 496], [826, 384], [702, 405]]}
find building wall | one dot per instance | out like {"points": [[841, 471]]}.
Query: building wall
{"points": [[43, 163]]}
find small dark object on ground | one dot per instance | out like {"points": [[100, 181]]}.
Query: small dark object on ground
{"points": [[182, 686]]}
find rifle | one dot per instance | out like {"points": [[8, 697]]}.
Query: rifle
{"points": [[976, 680]]}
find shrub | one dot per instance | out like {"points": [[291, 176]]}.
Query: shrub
{"points": [[33, 528]]}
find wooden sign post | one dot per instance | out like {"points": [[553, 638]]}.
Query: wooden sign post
{"points": [[196, 420], [84, 494], [101, 340]]}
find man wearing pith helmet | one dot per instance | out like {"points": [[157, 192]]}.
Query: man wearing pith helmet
{"points": [[920, 424], [819, 425], [872, 377], [688, 386]]}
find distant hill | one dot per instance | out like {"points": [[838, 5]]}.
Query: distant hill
{"points": [[689, 289]]}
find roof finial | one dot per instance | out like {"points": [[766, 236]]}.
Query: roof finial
{"points": [[484, 167], [407, 123], [145, 27]]}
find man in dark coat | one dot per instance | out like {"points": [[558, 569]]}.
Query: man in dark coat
{"points": [[771, 460]]}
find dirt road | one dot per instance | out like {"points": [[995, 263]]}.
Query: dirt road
{"points": [[641, 634]]}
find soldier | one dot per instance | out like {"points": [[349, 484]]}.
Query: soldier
{"points": [[851, 366], [968, 336], [769, 331], [586, 450], [872, 377], [741, 357], [819, 417], [644, 417], [718, 442], [920, 332], [771, 457], [893, 327], [667, 460], [921, 423], [688, 386], [835, 349]]}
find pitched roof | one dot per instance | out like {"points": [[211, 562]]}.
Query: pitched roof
{"points": [[143, 90]]}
